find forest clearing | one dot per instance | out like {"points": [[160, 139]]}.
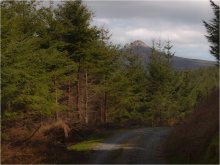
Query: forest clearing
{"points": [[70, 95]]}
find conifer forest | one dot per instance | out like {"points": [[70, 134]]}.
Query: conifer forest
{"points": [[63, 81]]}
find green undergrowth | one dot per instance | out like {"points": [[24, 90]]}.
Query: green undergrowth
{"points": [[90, 141], [85, 145]]}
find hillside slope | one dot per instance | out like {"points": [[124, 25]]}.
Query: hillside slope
{"points": [[143, 50], [196, 139]]}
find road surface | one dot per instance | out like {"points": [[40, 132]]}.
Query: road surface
{"points": [[139, 146]]}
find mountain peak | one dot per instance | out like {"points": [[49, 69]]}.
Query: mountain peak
{"points": [[138, 43]]}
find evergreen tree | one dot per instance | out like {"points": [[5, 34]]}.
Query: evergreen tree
{"points": [[18, 46], [127, 88], [77, 38], [161, 82], [213, 31], [30, 64]]}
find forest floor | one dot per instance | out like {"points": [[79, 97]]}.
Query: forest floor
{"points": [[197, 135], [122, 146], [135, 145]]}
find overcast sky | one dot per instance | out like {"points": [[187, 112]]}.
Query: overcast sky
{"points": [[177, 20]]}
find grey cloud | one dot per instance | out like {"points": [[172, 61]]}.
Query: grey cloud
{"points": [[178, 11], [179, 21]]}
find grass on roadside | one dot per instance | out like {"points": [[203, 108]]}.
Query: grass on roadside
{"points": [[90, 141], [85, 145]]}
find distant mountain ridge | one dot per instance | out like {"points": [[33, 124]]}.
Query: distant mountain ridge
{"points": [[143, 50]]}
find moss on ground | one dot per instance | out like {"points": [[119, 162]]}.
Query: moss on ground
{"points": [[85, 145], [90, 142]]}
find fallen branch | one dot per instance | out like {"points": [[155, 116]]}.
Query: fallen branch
{"points": [[34, 132]]}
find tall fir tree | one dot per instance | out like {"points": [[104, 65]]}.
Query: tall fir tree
{"points": [[161, 85], [29, 59], [213, 31]]}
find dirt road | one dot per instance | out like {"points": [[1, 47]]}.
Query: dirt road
{"points": [[139, 146]]}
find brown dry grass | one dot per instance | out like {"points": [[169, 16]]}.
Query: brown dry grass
{"points": [[17, 147], [59, 124]]}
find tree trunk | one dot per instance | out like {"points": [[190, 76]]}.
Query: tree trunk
{"points": [[105, 107], [77, 93], [152, 119], [160, 118], [101, 112], [41, 118], [9, 106], [78, 109], [69, 94], [104, 104], [86, 98], [56, 100], [207, 94]]}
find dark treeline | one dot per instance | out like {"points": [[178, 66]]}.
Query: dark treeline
{"points": [[55, 62]]}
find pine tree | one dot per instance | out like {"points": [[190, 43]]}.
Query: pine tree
{"points": [[161, 82], [18, 45], [213, 31], [98, 67], [168, 54], [76, 36], [30, 61]]}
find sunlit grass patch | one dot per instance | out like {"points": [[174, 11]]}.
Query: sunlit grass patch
{"points": [[85, 145]]}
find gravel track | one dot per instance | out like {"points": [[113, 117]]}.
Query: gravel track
{"points": [[139, 146]]}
